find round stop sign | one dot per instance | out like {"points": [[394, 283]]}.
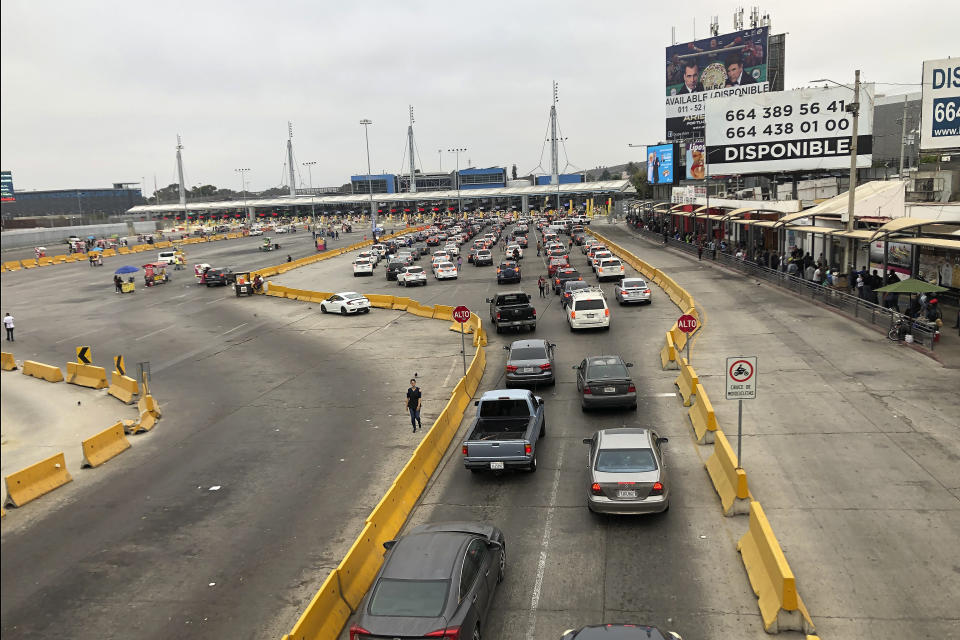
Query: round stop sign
{"points": [[461, 314], [687, 323]]}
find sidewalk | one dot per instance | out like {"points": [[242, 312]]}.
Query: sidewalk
{"points": [[851, 447]]}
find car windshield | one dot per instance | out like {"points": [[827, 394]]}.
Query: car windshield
{"points": [[415, 270], [606, 368], [414, 598], [483, 253], [633, 284], [351, 296], [446, 265], [528, 353], [573, 286], [588, 305], [610, 263], [515, 298], [504, 409], [625, 461], [362, 262]]}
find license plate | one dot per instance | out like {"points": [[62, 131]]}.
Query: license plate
{"points": [[609, 389], [497, 466], [626, 493], [527, 370]]}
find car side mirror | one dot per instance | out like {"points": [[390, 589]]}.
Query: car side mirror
{"points": [[588, 441], [575, 367], [476, 403], [489, 299], [389, 544], [494, 544], [629, 364], [663, 440]]}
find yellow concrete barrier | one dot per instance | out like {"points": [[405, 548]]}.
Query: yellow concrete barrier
{"points": [[326, 614], [728, 479], [443, 312], [45, 262], [147, 404], [401, 303], [29, 263], [12, 265], [771, 577], [60, 258], [7, 362], [36, 480], [87, 375], [668, 353], [359, 567], [687, 382], [107, 253], [702, 417], [146, 422], [679, 337], [107, 444], [123, 388], [380, 301], [43, 371], [123, 251]]}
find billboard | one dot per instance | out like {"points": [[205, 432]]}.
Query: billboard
{"points": [[660, 164], [804, 129], [696, 168], [940, 105], [6, 187], [715, 67]]}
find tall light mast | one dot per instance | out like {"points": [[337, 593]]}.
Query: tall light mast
{"points": [[554, 150], [413, 171], [293, 180], [183, 192]]}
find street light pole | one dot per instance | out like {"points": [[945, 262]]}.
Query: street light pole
{"points": [[373, 211], [313, 214], [458, 151], [440, 153], [854, 109], [243, 189]]}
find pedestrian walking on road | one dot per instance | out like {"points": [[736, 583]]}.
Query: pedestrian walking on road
{"points": [[413, 404], [117, 283], [700, 250], [8, 325], [542, 284]]}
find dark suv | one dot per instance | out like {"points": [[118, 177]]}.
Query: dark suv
{"points": [[508, 271]]}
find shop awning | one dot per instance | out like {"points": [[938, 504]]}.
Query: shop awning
{"points": [[856, 234], [903, 224], [936, 243]]}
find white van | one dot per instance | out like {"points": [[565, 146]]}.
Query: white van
{"points": [[588, 309], [559, 227], [167, 257]]}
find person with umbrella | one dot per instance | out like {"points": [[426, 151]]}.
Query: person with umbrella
{"points": [[118, 280]]}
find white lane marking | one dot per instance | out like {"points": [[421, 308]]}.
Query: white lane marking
{"points": [[85, 333], [453, 368], [234, 329], [663, 395], [217, 300], [153, 333], [183, 295], [542, 561]]}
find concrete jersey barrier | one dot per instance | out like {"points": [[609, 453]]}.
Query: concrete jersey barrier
{"points": [[729, 480], [87, 375], [107, 444], [42, 371], [36, 480]]}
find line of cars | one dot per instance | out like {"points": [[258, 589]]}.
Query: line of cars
{"points": [[439, 579]]}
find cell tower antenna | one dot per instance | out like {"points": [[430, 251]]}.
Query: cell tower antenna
{"points": [[293, 179], [715, 26], [738, 19], [754, 17], [413, 167], [183, 191]]}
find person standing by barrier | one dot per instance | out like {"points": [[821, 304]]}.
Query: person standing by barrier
{"points": [[414, 398], [8, 325]]}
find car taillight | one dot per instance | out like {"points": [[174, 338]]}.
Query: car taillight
{"points": [[498, 315], [464, 449], [449, 633], [606, 312], [511, 368], [534, 313], [528, 449], [545, 367], [657, 489], [573, 315], [356, 632], [595, 489], [587, 391], [632, 389], [646, 290]]}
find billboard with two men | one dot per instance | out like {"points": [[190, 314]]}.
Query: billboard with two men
{"points": [[734, 64]]}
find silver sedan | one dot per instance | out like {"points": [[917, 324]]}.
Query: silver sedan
{"points": [[627, 472], [632, 290]]}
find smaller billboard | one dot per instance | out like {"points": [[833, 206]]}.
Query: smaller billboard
{"points": [[6, 187], [696, 161], [660, 165], [940, 105]]}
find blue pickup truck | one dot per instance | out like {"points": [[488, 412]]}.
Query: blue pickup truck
{"points": [[505, 432]]}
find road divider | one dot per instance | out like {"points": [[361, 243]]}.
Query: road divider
{"points": [[123, 388], [36, 480], [87, 375], [107, 444], [668, 353], [687, 382], [772, 579], [728, 478], [43, 371], [343, 590], [7, 361], [702, 417]]}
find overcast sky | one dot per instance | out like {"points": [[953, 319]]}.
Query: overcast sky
{"points": [[96, 92]]}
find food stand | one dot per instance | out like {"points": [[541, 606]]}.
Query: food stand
{"points": [[155, 273]]}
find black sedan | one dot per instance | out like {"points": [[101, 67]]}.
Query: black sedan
{"points": [[508, 271], [436, 582]]}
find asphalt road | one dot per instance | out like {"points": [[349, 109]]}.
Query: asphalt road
{"points": [[567, 567], [297, 418]]}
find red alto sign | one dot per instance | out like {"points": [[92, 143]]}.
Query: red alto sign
{"points": [[461, 314], [687, 323]]}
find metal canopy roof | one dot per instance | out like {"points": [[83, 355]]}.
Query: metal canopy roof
{"points": [[359, 199], [937, 243], [902, 224]]}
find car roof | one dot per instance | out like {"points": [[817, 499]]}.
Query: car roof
{"points": [[624, 438], [526, 344], [506, 394], [588, 292], [426, 555]]}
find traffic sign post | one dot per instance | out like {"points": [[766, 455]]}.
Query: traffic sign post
{"points": [[84, 356], [461, 314], [741, 379], [688, 324]]}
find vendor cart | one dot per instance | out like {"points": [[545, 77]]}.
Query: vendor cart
{"points": [[243, 284], [155, 273], [128, 287], [199, 270], [268, 245]]}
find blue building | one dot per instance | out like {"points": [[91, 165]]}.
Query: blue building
{"points": [[565, 178], [381, 183], [483, 178]]}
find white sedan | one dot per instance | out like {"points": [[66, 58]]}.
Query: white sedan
{"points": [[452, 249], [446, 270], [515, 247], [372, 256], [344, 303], [410, 276], [362, 267]]}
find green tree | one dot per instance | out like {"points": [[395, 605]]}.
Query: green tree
{"points": [[631, 168], [605, 175]]}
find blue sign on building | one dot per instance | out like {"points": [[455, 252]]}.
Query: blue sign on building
{"points": [[483, 178], [381, 183]]}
